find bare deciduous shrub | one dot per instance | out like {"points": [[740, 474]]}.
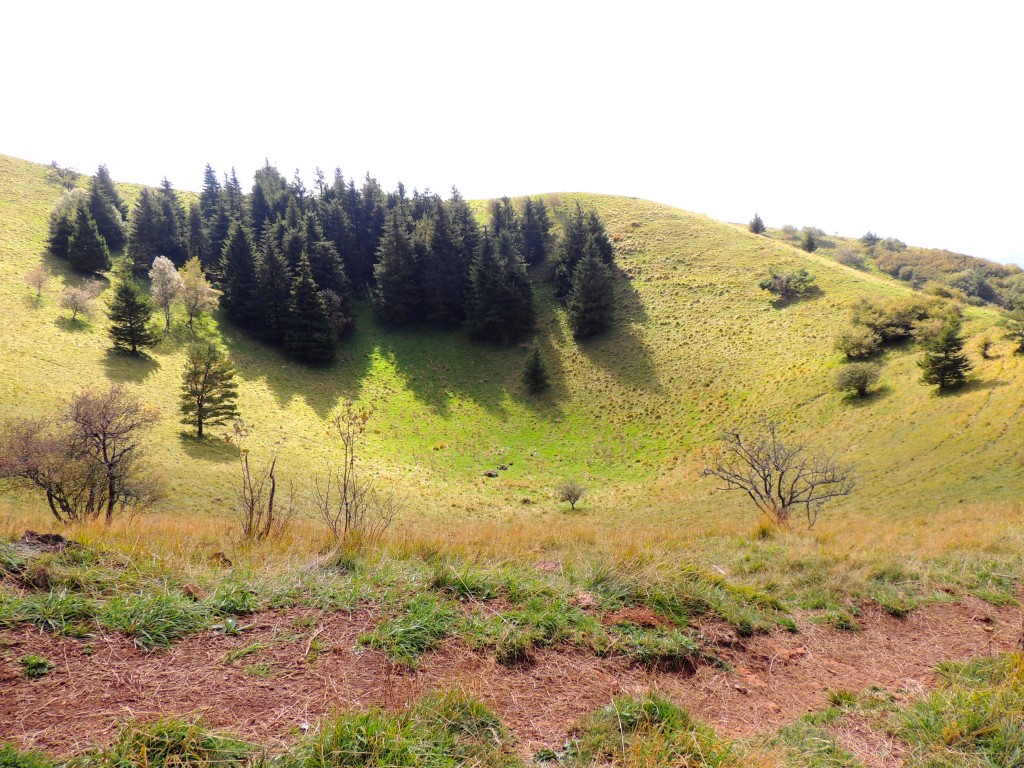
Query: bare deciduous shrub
{"points": [[90, 460], [777, 477], [353, 509], [262, 514], [37, 278], [80, 300], [571, 491]]}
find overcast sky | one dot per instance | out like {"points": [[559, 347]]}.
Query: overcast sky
{"points": [[904, 118]]}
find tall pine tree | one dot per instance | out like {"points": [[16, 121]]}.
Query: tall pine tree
{"points": [[591, 303], [536, 228], [106, 208], [274, 278], [499, 304], [399, 294], [309, 335], [143, 228], [240, 299], [87, 250]]}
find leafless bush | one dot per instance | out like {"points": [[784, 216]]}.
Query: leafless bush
{"points": [[80, 300], [37, 278], [89, 461], [349, 503], [262, 514], [777, 477], [571, 491]]}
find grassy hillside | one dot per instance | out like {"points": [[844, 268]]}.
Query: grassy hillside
{"points": [[698, 346]]}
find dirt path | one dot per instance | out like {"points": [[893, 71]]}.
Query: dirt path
{"points": [[97, 684]]}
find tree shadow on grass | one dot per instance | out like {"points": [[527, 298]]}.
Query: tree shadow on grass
{"points": [[853, 400], [72, 325], [972, 385], [321, 387], [812, 293], [622, 350], [210, 447], [124, 368]]}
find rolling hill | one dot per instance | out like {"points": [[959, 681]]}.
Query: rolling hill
{"points": [[698, 347]]}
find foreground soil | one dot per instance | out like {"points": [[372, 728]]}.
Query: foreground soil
{"points": [[312, 665]]}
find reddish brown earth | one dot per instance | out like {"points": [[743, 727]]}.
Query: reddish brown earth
{"points": [[99, 683]]}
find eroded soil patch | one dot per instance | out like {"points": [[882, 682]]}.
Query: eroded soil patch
{"points": [[293, 667]]}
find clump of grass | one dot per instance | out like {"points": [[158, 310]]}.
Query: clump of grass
{"points": [[649, 731], [59, 611], [840, 619], [157, 619], [234, 597], [13, 758], [658, 647], [976, 712], [171, 743], [807, 744], [464, 583], [423, 623], [540, 623], [34, 667], [440, 731]]}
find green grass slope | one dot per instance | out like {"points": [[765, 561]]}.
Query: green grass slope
{"points": [[698, 346]]}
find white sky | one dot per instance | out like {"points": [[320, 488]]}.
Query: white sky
{"points": [[900, 117]]}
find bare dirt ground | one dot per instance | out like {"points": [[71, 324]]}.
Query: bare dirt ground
{"points": [[267, 695]]}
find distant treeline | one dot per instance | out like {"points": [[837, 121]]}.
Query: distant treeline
{"points": [[290, 260]]}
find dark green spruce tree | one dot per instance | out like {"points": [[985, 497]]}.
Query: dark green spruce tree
{"points": [[945, 364], [87, 250], [171, 235], [535, 375], [591, 305], [106, 208], [536, 229], [62, 222], [274, 279], [240, 299], [584, 234], [309, 334], [143, 225], [399, 295], [499, 304], [130, 313]]}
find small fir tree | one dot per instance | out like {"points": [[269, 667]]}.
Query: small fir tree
{"points": [[130, 313], [535, 375], [756, 225], [308, 334], [944, 363], [809, 242], [87, 250], [591, 304], [208, 389]]}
